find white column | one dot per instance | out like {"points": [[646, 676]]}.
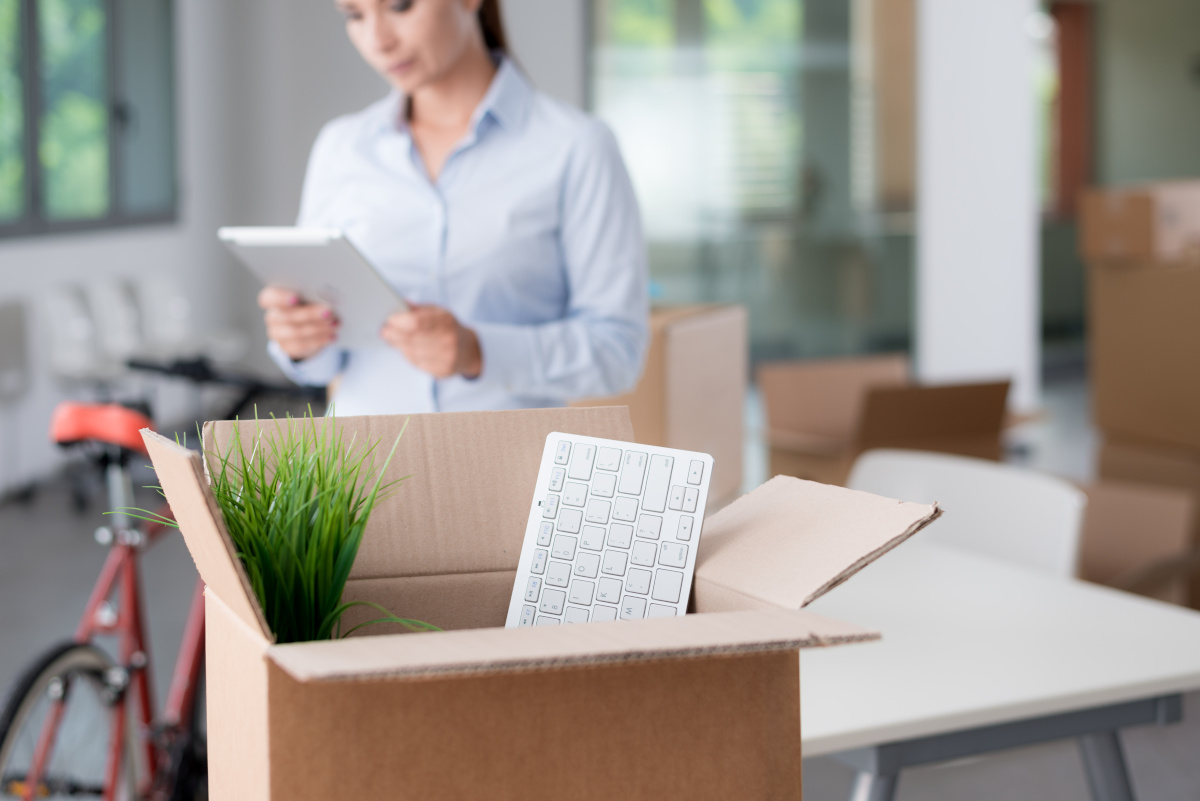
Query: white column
{"points": [[977, 288]]}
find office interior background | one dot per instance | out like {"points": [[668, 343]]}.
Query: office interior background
{"points": [[864, 176]]}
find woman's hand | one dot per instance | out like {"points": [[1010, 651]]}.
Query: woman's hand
{"points": [[301, 329], [433, 341]]}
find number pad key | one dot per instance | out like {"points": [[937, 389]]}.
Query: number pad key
{"points": [[643, 554]]}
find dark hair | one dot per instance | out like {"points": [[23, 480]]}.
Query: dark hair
{"points": [[492, 24]]}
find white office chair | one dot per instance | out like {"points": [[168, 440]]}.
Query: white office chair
{"points": [[1010, 513]]}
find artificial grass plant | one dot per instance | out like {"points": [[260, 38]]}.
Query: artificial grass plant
{"points": [[296, 505]]}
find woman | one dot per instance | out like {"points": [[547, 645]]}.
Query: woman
{"points": [[505, 218]]}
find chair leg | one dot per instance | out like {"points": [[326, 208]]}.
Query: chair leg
{"points": [[874, 786], [1104, 763]]}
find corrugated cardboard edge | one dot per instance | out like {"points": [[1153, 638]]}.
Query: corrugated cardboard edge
{"points": [[181, 474], [499, 651]]}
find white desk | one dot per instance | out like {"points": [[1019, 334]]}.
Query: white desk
{"points": [[978, 655]]}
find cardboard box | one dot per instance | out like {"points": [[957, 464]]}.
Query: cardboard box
{"points": [[821, 415], [1145, 463], [1144, 331], [1131, 532], [704, 706], [1151, 222], [692, 394]]}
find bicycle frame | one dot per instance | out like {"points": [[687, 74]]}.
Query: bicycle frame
{"points": [[120, 577]]}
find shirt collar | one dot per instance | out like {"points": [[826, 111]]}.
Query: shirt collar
{"points": [[507, 101]]}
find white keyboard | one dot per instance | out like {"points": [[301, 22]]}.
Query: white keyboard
{"points": [[612, 532]]}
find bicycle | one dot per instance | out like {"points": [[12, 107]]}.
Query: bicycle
{"points": [[79, 723]]}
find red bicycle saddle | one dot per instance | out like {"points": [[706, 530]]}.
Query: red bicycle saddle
{"points": [[100, 422]]}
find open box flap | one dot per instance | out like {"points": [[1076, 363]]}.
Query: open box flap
{"points": [[502, 650], [825, 397], [790, 541], [181, 474], [471, 476]]}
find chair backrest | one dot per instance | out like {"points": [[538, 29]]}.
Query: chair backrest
{"points": [[1003, 511]]}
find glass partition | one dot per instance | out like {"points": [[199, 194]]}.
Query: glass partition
{"points": [[771, 144]]}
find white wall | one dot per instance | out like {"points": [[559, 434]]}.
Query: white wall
{"points": [[977, 263]]}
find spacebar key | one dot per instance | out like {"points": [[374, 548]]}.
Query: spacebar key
{"points": [[658, 483]]}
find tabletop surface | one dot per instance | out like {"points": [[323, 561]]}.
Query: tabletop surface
{"points": [[970, 641]]}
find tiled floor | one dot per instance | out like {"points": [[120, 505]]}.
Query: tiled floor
{"points": [[48, 561]]}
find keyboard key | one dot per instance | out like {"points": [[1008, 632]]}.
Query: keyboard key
{"points": [[609, 589], [625, 509], [690, 498], [643, 554], [676, 501], [564, 547], [581, 462], [588, 564], [558, 574], [620, 535], [685, 528], [638, 581], [649, 527], [576, 615], [574, 494], [614, 563], [597, 511], [604, 485], [581, 592], [570, 520], [563, 452], [632, 473], [608, 459], [547, 621], [658, 483], [532, 589], [557, 475], [673, 554], [550, 506], [667, 585], [696, 472], [592, 538], [552, 601], [539, 562], [656, 610], [602, 613], [633, 608], [527, 615]]}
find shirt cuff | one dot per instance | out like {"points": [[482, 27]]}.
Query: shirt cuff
{"points": [[508, 354], [317, 370]]}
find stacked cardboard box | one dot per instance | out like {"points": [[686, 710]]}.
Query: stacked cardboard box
{"points": [[822, 414], [1142, 245], [704, 706], [692, 393]]}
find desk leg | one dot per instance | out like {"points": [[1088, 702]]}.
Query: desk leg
{"points": [[1104, 762], [874, 786]]}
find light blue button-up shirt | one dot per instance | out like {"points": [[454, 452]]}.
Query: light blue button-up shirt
{"points": [[530, 236]]}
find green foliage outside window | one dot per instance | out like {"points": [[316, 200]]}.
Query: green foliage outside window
{"points": [[74, 134], [12, 120]]}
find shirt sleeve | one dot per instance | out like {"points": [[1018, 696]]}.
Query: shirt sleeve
{"points": [[322, 367], [598, 348]]}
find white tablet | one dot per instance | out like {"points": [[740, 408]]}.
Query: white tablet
{"points": [[320, 265]]}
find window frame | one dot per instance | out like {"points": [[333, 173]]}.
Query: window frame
{"points": [[33, 222]]}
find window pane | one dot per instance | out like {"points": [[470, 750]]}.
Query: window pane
{"points": [[74, 136], [147, 120], [12, 116]]}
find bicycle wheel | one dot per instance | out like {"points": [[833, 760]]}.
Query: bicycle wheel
{"points": [[80, 677]]}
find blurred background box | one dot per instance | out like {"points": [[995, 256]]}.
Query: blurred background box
{"points": [[1151, 222], [1132, 460], [822, 414], [1131, 531], [692, 393], [1145, 341]]}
